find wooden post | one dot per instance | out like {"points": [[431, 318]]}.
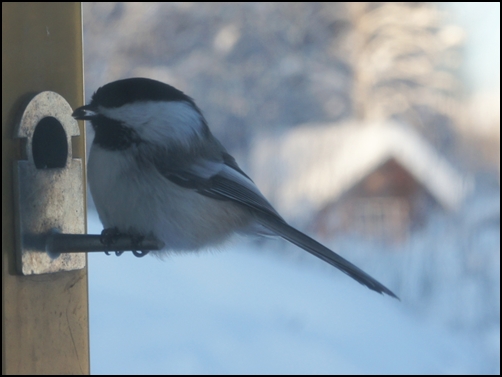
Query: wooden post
{"points": [[45, 324]]}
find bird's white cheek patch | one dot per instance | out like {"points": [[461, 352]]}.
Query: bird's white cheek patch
{"points": [[157, 121]]}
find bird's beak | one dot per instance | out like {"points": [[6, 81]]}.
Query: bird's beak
{"points": [[86, 112]]}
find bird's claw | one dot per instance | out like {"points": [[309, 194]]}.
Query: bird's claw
{"points": [[140, 253]]}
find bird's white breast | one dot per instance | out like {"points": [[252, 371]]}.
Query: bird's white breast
{"points": [[138, 199]]}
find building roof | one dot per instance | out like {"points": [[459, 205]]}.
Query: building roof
{"points": [[309, 166]]}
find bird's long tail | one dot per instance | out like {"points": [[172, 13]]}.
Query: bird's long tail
{"points": [[296, 237]]}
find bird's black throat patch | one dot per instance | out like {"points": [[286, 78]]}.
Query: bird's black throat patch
{"points": [[113, 135]]}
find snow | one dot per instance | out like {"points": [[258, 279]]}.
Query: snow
{"points": [[244, 310]]}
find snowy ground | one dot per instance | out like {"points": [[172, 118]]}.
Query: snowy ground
{"points": [[242, 311]]}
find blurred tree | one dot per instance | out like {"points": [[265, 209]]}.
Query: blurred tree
{"points": [[257, 66], [405, 63]]}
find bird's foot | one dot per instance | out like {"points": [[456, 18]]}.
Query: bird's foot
{"points": [[109, 237], [136, 241]]}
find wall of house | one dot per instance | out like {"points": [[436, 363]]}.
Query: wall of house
{"points": [[384, 206]]}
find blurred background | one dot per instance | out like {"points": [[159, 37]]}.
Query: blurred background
{"points": [[375, 128]]}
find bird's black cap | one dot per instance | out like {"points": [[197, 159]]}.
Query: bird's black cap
{"points": [[138, 89]]}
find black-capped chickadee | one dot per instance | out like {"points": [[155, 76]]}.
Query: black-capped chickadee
{"points": [[156, 169]]}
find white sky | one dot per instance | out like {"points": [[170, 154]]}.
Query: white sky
{"points": [[481, 22]]}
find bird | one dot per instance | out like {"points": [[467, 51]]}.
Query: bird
{"points": [[155, 169]]}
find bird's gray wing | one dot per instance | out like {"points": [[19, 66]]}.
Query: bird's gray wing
{"points": [[220, 180]]}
